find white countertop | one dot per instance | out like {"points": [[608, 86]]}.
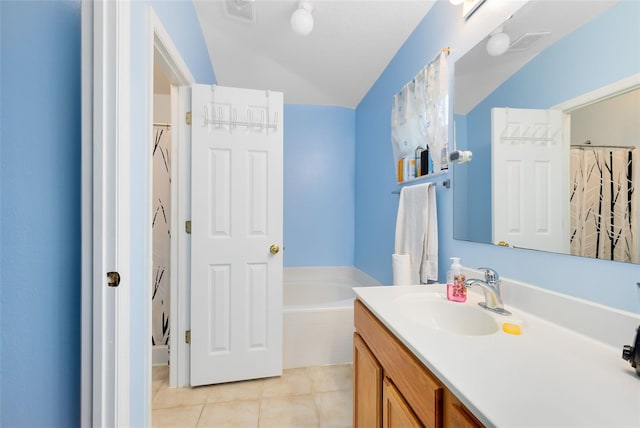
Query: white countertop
{"points": [[549, 376]]}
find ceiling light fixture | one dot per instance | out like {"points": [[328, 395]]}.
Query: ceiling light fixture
{"points": [[498, 42], [456, 2], [302, 19]]}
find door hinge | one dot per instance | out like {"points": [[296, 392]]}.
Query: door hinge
{"points": [[188, 118], [187, 227], [187, 336]]}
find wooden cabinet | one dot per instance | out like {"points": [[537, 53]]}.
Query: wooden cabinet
{"points": [[367, 386], [396, 413], [456, 414], [410, 395]]}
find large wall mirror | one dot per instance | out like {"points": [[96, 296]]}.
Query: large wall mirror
{"points": [[554, 127]]}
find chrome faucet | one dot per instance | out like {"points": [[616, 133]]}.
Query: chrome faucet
{"points": [[491, 289]]}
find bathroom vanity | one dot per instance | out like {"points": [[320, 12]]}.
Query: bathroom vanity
{"points": [[392, 388], [414, 365]]}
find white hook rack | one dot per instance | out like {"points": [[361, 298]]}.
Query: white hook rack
{"points": [[514, 133], [262, 124], [218, 120]]}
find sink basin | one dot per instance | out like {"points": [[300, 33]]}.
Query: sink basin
{"points": [[441, 314]]}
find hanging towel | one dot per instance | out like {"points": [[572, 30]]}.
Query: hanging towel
{"points": [[417, 231]]}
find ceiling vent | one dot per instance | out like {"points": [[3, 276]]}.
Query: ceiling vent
{"points": [[525, 41], [242, 10]]}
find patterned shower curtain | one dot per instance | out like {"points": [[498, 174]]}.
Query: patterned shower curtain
{"points": [[161, 235], [603, 207], [420, 114]]}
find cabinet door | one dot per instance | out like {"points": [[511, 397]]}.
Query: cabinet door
{"points": [[456, 414], [367, 386], [396, 413], [417, 385]]}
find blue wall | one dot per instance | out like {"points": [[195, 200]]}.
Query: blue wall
{"points": [[1, 108], [575, 72], [40, 212], [40, 198], [319, 185], [40, 203], [609, 283], [376, 206]]}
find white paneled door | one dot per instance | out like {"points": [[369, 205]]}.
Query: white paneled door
{"points": [[236, 260], [530, 178]]}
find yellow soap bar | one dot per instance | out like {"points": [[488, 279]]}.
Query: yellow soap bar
{"points": [[511, 328]]}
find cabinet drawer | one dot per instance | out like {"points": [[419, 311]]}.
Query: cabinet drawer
{"points": [[416, 384]]}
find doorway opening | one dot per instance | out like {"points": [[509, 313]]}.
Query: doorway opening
{"points": [[168, 186], [161, 218]]}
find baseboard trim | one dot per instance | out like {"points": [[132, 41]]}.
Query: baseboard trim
{"points": [[160, 355]]}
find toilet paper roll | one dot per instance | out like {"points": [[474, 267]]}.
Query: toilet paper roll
{"points": [[401, 269]]}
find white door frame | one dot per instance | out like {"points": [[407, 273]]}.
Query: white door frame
{"points": [[106, 67], [603, 93], [162, 51], [608, 91]]}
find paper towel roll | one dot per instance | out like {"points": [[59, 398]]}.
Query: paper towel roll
{"points": [[401, 269]]}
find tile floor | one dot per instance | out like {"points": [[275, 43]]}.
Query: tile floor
{"points": [[304, 397]]}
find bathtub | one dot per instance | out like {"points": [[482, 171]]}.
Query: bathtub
{"points": [[318, 314]]}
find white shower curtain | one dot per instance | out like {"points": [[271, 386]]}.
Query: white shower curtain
{"points": [[420, 114], [160, 292], [603, 203]]}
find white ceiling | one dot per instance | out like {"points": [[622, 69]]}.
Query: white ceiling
{"points": [[351, 44], [477, 74]]}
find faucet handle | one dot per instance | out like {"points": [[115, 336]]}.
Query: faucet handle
{"points": [[490, 275]]}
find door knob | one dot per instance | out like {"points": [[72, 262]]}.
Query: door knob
{"points": [[113, 279], [274, 249]]}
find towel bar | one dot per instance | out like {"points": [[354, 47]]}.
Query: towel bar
{"points": [[446, 183]]}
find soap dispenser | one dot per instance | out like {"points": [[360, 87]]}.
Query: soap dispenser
{"points": [[456, 291]]}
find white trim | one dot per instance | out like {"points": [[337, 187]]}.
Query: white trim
{"points": [[105, 213], [164, 52], [147, 141], [122, 171], [181, 310], [617, 88], [173, 64]]}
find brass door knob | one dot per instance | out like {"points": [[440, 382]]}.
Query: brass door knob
{"points": [[113, 279], [274, 249]]}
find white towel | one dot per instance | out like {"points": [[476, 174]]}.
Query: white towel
{"points": [[417, 231]]}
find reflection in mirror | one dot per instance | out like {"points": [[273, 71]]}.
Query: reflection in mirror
{"points": [[554, 130]]}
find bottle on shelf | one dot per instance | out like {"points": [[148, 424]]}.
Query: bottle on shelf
{"points": [[418, 157]]}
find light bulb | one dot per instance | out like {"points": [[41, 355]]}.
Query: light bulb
{"points": [[498, 44], [302, 19]]}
